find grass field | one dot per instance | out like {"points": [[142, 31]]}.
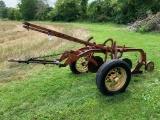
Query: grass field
{"points": [[37, 92]]}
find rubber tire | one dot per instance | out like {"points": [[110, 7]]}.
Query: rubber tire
{"points": [[103, 71]]}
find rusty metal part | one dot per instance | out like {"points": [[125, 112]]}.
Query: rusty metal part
{"points": [[94, 67], [81, 65], [149, 66], [128, 61], [113, 51]]}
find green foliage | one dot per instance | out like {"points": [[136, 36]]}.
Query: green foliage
{"points": [[28, 9], [4, 13], [127, 11], [41, 10], [122, 11], [2, 5], [52, 15], [2, 8], [31, 8], [142, 29], [117, 11], [17, 14], [34, 9], [66, 10], [83, 10], [100, 10], [44, 14], [10, 13]]}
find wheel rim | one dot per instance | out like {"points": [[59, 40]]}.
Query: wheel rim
{"points": [[150, 66], [115, 79], [82, 65]]}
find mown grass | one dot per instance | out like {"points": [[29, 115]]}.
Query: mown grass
{"points": [[53, 93]]}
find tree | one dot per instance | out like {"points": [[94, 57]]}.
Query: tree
{"points": [[32, 9], [83, 12], [17, 14], [67, 10], [93, 11], [10, 13], [42, 10], [2, 7], [28, 9], [4, 12], [127, 11], [99, 10], [43, 14], [124, 11]]}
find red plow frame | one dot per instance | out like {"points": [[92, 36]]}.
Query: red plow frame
{"points": [[118, 69]]}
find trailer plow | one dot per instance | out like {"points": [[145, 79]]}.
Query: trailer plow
{"points": [[113, 72]]}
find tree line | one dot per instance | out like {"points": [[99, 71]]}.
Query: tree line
{"points": [[117, 11]]}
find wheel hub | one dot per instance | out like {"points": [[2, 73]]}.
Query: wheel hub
{"points": [[149, 66], [82, 65], [115, 79]]}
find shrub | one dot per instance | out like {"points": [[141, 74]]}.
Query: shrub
{"points": [[142, 29]]}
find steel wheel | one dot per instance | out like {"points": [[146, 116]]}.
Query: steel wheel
{"points": [[149, 66], [79, 66], [82, 65], [115, 79]]}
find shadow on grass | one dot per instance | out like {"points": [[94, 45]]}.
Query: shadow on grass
{"points": [[116, 99], [90, 80]]}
